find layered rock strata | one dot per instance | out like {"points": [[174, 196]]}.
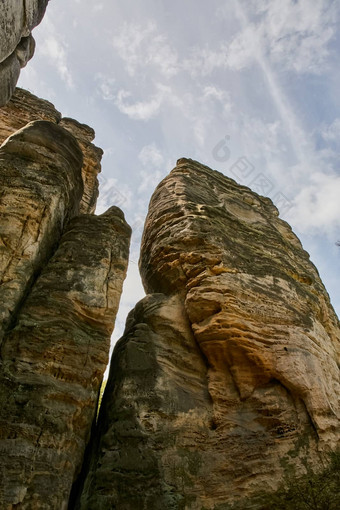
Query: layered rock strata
{"points": [[227, 376], [18, 18], [155, 417], [92, 156], [25, 107], [41, 186], [61, 279]]}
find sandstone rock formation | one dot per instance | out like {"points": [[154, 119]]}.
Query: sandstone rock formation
{"points": [[227, 376], [92, 156], [61, 276], [18, 18], [24, 107], [41, 187], [155, 418]]}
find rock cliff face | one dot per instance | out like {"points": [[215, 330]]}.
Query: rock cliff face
{"points": [[61, 276], [227, 375], [18, 18], [41, 187], [24, 107]]}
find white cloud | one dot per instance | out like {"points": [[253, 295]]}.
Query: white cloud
{"points": [[106, 86], [151, 155], [142, 110], [298, 34], [55, 49], [317, 206], [331, 133], [241, 52], [202, 61], [295, 35], [218, 96], [199, 111], [237, 54], [140, 47]]}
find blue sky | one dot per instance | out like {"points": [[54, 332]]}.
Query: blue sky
{"points": [[248, 87]]}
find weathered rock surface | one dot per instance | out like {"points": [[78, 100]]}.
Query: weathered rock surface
{"points": [[18, 18], [25, 107], [53, 362], [91, 163], [145, 440], [61, 277], [41, 186], [230, 376]]}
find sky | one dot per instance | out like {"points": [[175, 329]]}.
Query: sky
{"points": [[247, 87]]}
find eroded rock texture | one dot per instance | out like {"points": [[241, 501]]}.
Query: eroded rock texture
{"points": [[227, 375], [152, 426], [18, 18], [61, 277], [91, 163], [41, 186], [25, 107]]}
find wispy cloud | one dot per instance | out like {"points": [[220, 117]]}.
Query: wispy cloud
{"points": [[151, 155], [297, 34], [299, 140], [294, 35], [142, 47], [55, 49], [56, 53], [331, 133], [317, 206], [219, 96], [202, 61], [140, 110], [143, 110], [106, 86]]}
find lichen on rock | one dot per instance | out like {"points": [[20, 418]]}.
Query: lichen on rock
{"points": [[25, 107], [227, 374], [61, 278], [41, 186]]}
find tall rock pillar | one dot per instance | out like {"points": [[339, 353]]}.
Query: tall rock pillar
{"points": [[61, 279], [227, 376]]}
